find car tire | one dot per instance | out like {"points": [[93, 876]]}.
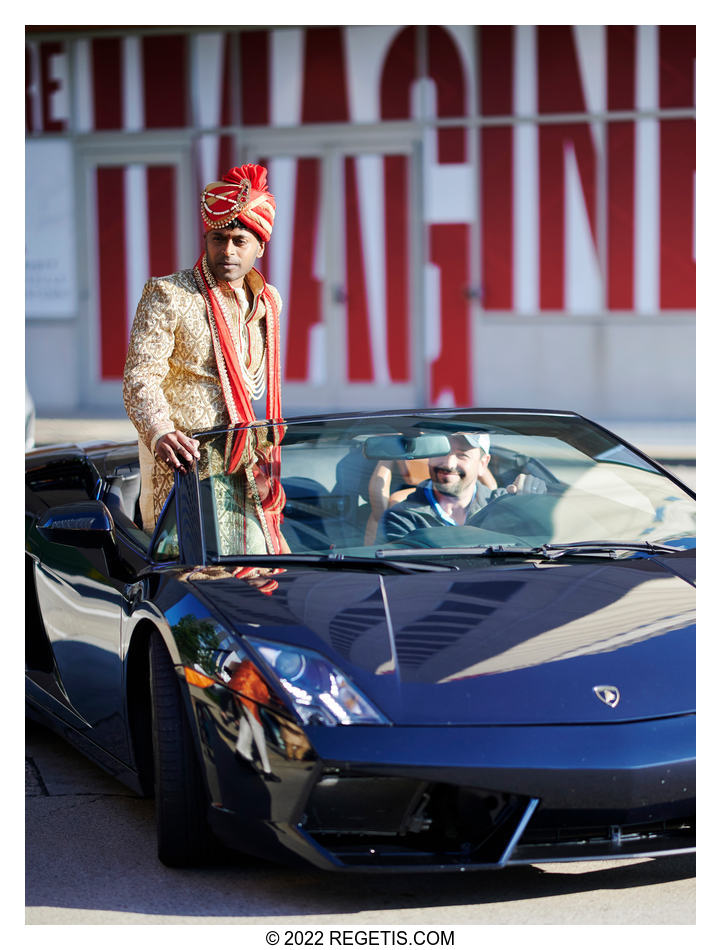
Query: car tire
{"points": [[184, 837]]}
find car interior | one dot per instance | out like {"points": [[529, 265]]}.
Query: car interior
{"points": [[335, 494]]}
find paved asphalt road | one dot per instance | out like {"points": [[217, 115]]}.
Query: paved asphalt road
{"points": [[90, 859]]}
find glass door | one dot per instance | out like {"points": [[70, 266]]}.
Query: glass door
{"points": [[139, 223]]}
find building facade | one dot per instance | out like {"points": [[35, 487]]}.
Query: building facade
{"points": [[467, 215]]}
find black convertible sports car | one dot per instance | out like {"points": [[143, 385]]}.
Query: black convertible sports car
{"points": [[388, 687]]}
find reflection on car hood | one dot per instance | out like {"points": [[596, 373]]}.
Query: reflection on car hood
{"points": [[518, 645]]}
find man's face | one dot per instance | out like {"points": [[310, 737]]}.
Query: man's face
{"points": [[232, 253], [458, 471]]}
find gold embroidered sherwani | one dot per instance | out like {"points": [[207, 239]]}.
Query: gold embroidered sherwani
{"points": [[171, 375]]}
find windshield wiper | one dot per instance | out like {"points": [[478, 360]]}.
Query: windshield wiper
{"points": [[591, 547], [550, 552], [492, 550], [333, 560]]}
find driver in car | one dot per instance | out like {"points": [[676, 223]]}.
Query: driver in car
{"points": [[454, 492]]}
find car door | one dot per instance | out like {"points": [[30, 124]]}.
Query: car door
{"points": [[76, 600]]}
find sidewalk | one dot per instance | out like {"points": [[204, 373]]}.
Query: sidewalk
{"points": [[667, 442]]}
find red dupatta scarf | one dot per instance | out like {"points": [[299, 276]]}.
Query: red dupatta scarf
{"points": [[262, 466]]}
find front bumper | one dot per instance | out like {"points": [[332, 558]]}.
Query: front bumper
{"points": [[442, 798]]}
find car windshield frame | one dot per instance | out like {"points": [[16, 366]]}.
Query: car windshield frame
{"points": [[335, 437]]}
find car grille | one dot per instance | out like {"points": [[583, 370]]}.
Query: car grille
{"points": [[388, 822], [576, 842], [368, 820]]}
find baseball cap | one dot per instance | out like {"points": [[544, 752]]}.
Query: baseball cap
{"points": [[476, 440]]}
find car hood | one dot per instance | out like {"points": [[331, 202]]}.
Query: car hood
{"points": [[512, 643]]}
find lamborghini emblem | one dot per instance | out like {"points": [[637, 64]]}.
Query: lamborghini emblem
{"points": [[609, 695]]}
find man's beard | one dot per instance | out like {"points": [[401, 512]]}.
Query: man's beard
{"points": [[454, 488]]}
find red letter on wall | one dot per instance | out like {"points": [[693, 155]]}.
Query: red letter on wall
{"points": [[495, 95], [49, 86], [621, 84], [560, 90], [112, 268], [677, 55]]}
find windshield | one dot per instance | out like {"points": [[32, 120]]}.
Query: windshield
{"points": [[437, 480]]}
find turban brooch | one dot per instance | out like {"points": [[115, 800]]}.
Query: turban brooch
{"points": [[243, 194]]}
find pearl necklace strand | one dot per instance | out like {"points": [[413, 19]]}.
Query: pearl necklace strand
{"points": [[254, 382]]}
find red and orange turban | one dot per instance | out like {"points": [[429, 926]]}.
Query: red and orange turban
{"points": [[243, 194]]}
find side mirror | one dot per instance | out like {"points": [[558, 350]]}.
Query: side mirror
{"points": [[422, 446], [85, 524]]}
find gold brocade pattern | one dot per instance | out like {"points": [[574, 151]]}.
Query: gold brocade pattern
{"points": [[237, 529], [171, 376]]}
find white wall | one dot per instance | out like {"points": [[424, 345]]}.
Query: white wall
{"points": [[52, 366], [634, 369]]}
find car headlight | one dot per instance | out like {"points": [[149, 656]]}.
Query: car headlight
{"points": [[319, 693]]}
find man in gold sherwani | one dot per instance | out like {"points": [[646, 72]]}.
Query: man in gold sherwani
{"points": [[204, 344]]}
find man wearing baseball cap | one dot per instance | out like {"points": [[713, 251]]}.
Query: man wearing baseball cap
{"points": [[204, 347], [454, 492]]}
